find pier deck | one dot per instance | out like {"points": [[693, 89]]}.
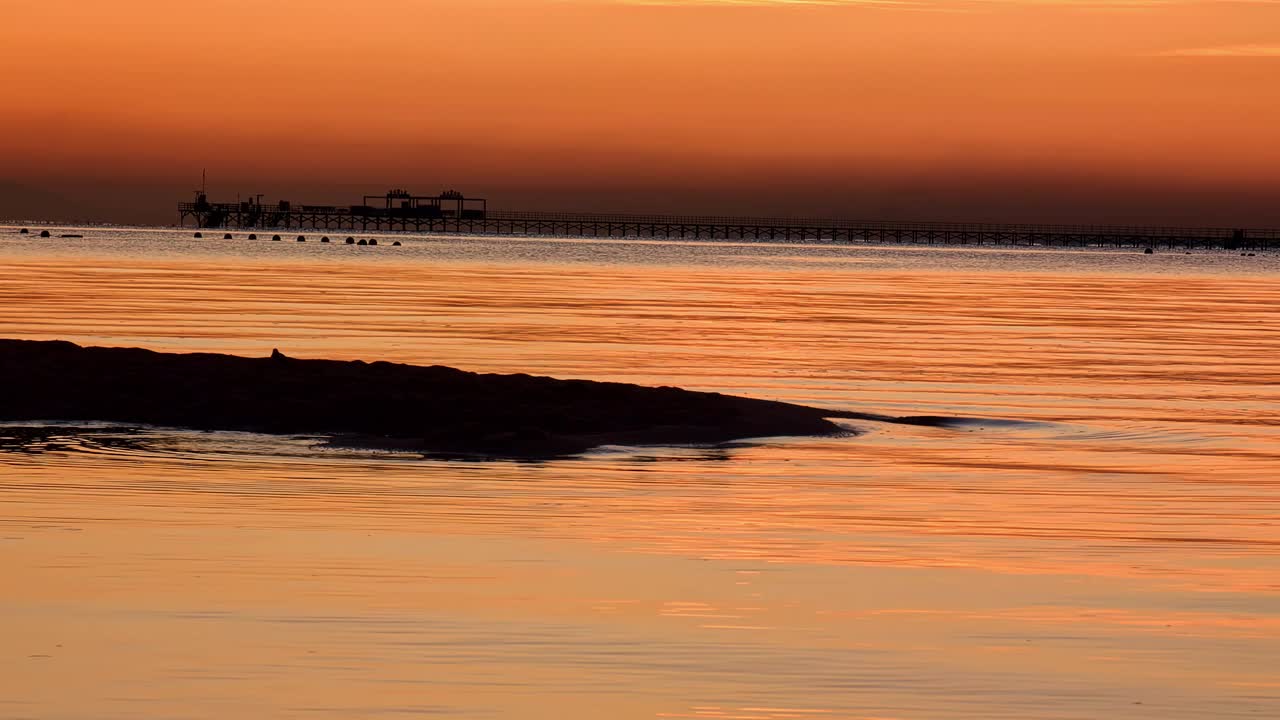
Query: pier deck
{"points": [[698, 227]]}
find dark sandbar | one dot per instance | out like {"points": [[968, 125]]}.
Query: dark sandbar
{"points": [[379, 405]]}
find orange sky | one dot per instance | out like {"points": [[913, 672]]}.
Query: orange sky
{"points": [[1096, 110]]}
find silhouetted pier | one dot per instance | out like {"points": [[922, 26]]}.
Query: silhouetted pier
{"points": [[452, 213]]}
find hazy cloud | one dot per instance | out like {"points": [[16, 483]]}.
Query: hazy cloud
{"points": [[1250, 51], [957, 5]]}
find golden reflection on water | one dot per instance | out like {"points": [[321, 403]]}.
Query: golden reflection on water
{"points": [[1114, 552]]}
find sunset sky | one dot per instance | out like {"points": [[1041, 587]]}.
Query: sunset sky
{"points": [[1067, 110]]}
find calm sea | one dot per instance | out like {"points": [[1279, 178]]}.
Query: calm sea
{"points": [[1098, 538]]}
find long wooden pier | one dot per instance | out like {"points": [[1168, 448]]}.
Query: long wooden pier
{"points": [[700, 227]]}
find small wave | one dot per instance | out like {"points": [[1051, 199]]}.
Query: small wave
{"points": [[1130, 434], [57, 438], [134, 441], [1126, 435], [949, 422]]}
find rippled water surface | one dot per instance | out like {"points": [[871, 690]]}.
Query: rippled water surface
{"points": [[1097, 535]]}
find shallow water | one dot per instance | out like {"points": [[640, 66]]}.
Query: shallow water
{"points": [[1096, 535]]}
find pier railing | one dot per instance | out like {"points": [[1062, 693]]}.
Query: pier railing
{"points": [[955, 227]]}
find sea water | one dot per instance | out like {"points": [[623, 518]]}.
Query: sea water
{"points": [[1097, 535]]}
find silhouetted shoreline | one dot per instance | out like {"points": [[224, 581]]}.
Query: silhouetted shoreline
{"points": [[383, 405]]}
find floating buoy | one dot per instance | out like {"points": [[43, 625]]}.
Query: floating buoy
{"points": [[351, 241], [373, 241], [44, 233], [253, 236], [275, 238], [362, 242], [227, 236], [24, 231], [198, 235], [324, 239], [395, 244], [302, 238]]}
